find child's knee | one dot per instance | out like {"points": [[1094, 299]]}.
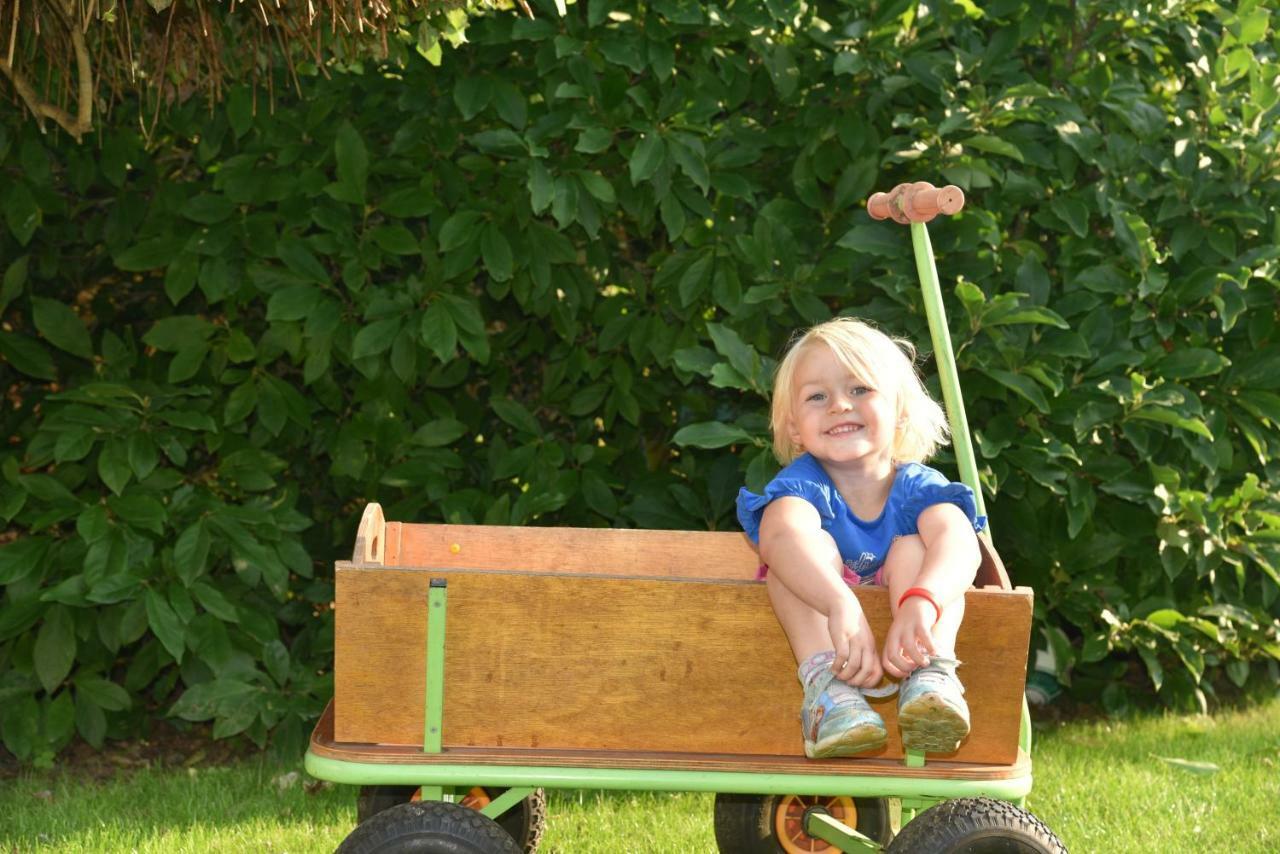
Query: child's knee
{"points": [[908, 549]]}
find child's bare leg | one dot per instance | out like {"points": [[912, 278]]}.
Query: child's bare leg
{"points": [[805, 627], [835, 718], [931, 708], [902, 568]]}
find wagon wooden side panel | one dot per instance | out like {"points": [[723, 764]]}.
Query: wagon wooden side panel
{"points": [[536, 660]]}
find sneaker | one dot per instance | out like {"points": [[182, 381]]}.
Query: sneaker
{"points": [[931, 709], [836, 719]]}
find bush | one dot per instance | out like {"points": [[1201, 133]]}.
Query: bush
{"points": [[545, 283]]}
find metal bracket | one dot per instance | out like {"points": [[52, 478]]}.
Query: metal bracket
{"points": [[437, 600], [820, 825]]}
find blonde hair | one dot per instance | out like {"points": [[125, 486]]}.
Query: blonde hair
{"points": [[869, 354]]}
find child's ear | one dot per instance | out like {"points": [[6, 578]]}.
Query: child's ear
{"points": [[793, 432]]}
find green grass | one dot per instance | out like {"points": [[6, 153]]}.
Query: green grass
{"points": [[1100, 786]]}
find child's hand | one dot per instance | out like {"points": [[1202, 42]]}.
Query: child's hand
{"points": [[909, 642], [856, 662]]}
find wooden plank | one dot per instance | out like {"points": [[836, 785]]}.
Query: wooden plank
{"points": [[544, 661], [370, 536], [603, 551], [324, 744]]}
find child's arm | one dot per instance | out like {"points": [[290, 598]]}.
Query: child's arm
{"points": [[951, 561], [804, 559]]}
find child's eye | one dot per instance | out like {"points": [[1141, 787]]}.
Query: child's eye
{"points": [[860, 390], [816, 396]]}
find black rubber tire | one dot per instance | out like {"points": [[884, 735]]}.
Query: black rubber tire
{"points": [[525, 822], [745, 824], [429, 827], [976, 826]]}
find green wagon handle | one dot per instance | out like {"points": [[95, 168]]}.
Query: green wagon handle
{"points": [[914, 205]]}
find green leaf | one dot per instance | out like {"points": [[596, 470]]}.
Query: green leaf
{"points": [[458, 229], [91, 723], [1073, 212], [62, 327], [1024, 315], [180, 277], [541, 187], [214, 602], [276, 659], [21, 557], [594, 140], [1164, 415], [691, 163], [375, 338], [141, 511], [395, 239], [15, 278], [598, 186], [27, 355], [874, 239], [994, 145], [647, 157], [113, 465], [151, 254], [1025, 387], [103, 693], [440, 432], [353, 163], [293, 303], [695, 279], [439, 333], [1200, 768], [165, 624], [496, 252], [742, 356], [191, 552], [515, 414], [21, 212], [1190, 362], [55, 648], [208, 208], [142, 455], [711, 434], [178, 332], [472, 94], [92, 524]]}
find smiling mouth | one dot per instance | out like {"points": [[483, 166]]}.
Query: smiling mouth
{"points": [[844, 429]]}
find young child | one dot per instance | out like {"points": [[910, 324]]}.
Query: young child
{"points": [[852, 424]]}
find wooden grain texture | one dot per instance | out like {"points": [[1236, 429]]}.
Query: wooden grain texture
{"points": [[561, 662], [604, 551], [370, 536], [324, 744]]}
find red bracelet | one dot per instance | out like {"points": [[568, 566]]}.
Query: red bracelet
{"points": [[923, 594]]}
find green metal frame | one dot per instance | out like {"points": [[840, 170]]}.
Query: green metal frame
{"points": [[943, 355], [441, 779], [446, 774]]}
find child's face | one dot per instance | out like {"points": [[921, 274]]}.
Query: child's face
{"points": [[838, 417]]}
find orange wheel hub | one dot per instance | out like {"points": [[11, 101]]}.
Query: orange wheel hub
{"points": [[788, 821]]}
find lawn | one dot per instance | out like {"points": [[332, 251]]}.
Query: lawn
{"points": [[1164, 783]]}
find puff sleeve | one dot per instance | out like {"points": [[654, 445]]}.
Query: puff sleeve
{"points": [[751, 506], [926, 487]]}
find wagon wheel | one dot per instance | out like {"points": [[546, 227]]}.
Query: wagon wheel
{"points": [[977, 826], [768, 824], [429, 827], [524, 822]]}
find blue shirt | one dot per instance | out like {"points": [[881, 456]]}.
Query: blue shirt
{"points": [[863, 543]]}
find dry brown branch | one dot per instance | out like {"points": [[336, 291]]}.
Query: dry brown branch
{"points": [[67, 60], [82, 122]]}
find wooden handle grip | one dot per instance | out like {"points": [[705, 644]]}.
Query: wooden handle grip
{"points": [[918, 202]]}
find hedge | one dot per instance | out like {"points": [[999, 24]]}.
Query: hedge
{"points": [[546, 283]]}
